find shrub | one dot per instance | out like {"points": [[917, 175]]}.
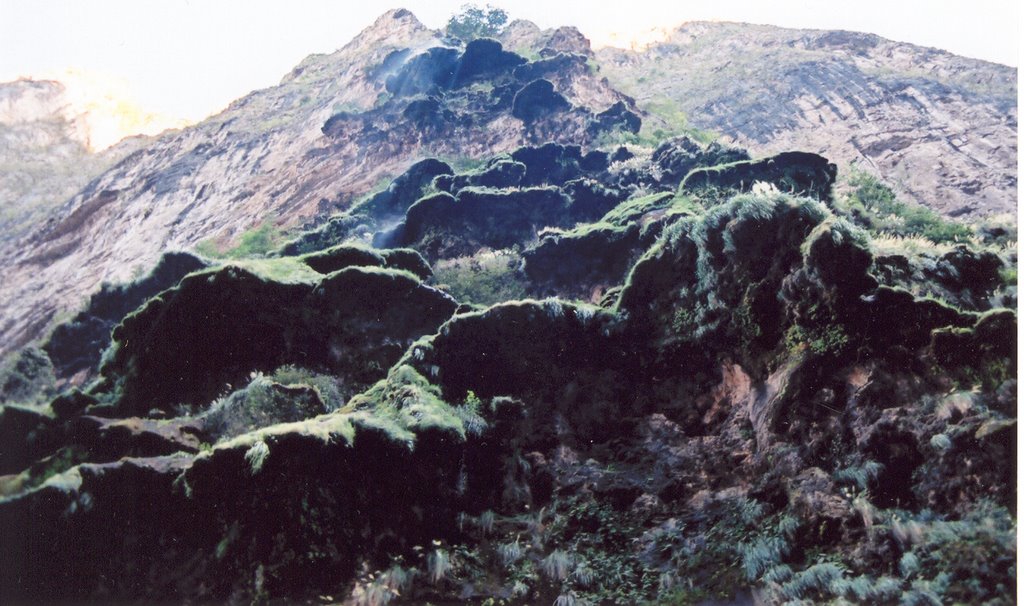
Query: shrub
{"points": [[485, 278], [874, 205], [475, 22]]}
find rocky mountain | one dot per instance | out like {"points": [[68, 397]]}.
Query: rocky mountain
{"points": [[336, 125], [940, 129], [566, 371], [758, 407], [44, 155]]}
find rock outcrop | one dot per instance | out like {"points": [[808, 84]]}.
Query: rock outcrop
{"points": [[46, 155], [288, 155], [940, 129], [760, 394]]}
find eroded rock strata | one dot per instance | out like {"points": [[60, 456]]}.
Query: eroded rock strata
{"points": [[751, 383], [570, 373]]}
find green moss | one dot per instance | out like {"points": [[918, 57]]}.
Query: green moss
{"points": [[285, 270], [984, 354], [664, 120], [1008, 275], [328, 387], [873, 204], [794, 173], [412, 403], [61, 461], [486, 278], [353, 322], [27, 378], [264, 402], [255, 242], [331, 427], [633, 209]]}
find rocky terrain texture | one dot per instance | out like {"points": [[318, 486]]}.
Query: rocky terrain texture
{"points": [[336, 125], [940, 129], [756, 403], [45, 157], [566, 373]]}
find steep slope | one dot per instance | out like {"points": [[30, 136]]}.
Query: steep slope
{"points": [[750, 410], [44, 154], [940, 129], [667, 372], [333, 128]]}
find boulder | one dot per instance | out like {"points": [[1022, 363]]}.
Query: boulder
{"points": [[538, 100], [484, 59], [616, 117], [549, 164]]}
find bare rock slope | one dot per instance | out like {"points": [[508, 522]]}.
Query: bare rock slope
{"points": [[940, 129], [334, 127], [44, 154]]}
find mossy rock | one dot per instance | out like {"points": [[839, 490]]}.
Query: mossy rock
{"points": [[51, 534], [27, 378], [985, 352], [797, 173], [550, 164], [895, 317], [445, 226], [77, 345], [616, 117], [340, 257], [564, 360], [262, 403], [574, 263], [366, 216], [561, 64], [428, 115], [189, 344], [738, 277], [593, 257], [538, 100], [427, 73], [676, 157], [497, 173], [484, 59], [590, 199], [26, 434], [409, 260], [442, 69]]}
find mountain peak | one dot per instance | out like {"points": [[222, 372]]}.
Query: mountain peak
{"points": [[398, 22]]}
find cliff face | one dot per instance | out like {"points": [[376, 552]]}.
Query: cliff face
{"points": [[666, 372], [750, 409], [44, 154], [940, 129], [334, 127]]}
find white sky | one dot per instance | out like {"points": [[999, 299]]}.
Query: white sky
{"points": [[190, 58]]}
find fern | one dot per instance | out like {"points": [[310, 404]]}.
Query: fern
{"points": [[439, 564], [556, 565], [510, 552], [760, 555], [256, 456]]}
